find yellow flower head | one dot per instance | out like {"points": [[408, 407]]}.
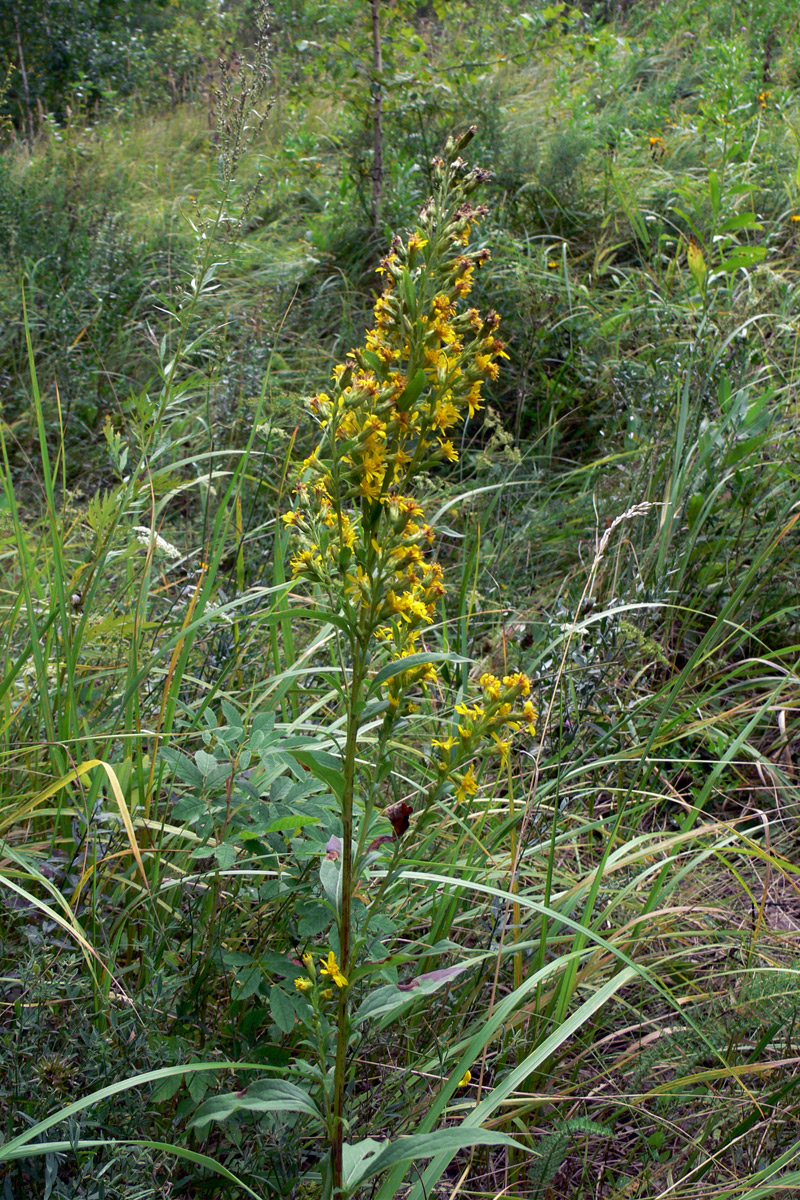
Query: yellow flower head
{"points": [[503, 746], [474, 399], [330, 967], [518, 682], [467, 785]]}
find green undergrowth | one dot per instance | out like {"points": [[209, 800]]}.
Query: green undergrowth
{"points": [[595, 952]]}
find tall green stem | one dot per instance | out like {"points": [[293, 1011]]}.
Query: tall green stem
{"points": [[345, 931]]}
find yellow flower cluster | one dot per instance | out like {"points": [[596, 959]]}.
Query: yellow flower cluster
{"points": [[390, 414], [328, 967], [504, 710]]}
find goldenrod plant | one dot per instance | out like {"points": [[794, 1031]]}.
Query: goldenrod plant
{"points": [[363, 547]]}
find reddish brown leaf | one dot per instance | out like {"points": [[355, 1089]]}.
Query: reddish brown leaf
{"points": [[399, 814], [377, 842]]}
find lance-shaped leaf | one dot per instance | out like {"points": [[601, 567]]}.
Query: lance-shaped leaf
{"points": [[413, 660], [411, 392], [268, 1095], [432, 980], [323, 766], [368, 1158], [386, 999]]}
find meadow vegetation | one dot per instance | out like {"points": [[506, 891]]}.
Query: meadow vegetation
{"points": [[399, 688]]}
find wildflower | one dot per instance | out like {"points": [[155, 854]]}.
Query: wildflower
{"points": [[303, 985], [149, 537], [465, 1079], [795, 217], [484, 364], [445, 414], [474, 400], [518, 682], [308, 963], [503, 747], [467, 785], [306, 561], [330, 967]]}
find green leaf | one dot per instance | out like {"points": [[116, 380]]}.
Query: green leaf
{"points": [[268, 1095], [198, 1086], [693, 508], [412, 660], [384, 999], [368, 1158], [330, 876], [232, 715], [411, 392], [380, 1001], [183, 767], [166, 1089], [282, 1009], [745, 256], [246, 984], [291, 823], [315, 918], [410, 298], [323, 766], [206, 763], [744, 448], [225, 855], [746, 220]]}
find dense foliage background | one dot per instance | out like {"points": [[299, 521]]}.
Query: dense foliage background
{"points": [[189, 233]]}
